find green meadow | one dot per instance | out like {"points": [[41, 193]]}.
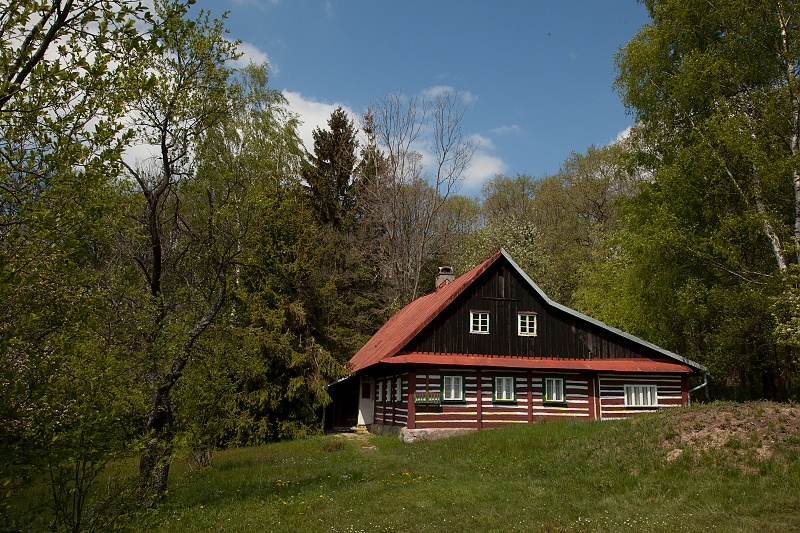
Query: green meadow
{"points": [[719, 467]]}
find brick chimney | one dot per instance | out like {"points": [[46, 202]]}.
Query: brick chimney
{"points": [[444, 275]]}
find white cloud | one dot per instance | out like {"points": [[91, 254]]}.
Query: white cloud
{"points": [[439, 90], [312, 115], [139, 154], [624, 134], [251, 54], [484, 167], [482, 141], [504, 130]]}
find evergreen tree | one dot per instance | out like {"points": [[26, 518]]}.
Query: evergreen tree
{"points": [[330, 172]]}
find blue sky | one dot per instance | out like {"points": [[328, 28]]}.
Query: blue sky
{"points": [[538, 74]]}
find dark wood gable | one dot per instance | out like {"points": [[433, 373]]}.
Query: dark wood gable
{"points": [[504, 293]]}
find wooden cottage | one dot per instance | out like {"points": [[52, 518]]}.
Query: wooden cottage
{"points": [[490, 348]]}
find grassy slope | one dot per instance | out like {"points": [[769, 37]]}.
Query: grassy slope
{"points": [[738, 471]]}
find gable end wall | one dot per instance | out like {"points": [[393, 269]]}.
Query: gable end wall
{"points": [[503, 293]]}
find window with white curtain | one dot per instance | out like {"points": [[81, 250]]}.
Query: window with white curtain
{"points": [[504, 389], [452, 388], [641, 395], [554, 390]]}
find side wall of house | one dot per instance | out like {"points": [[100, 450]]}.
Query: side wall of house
{"points": [[480, 407], [586, 396], [616, 391], [391, 400]]}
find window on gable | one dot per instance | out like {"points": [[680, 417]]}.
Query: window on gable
{"points": [[554, 390], [398, 390], [452, 388], [479, 322], [526, 324], [641, 395], [504, 389]]}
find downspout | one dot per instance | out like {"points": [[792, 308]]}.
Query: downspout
{"points": [[703, 384]]}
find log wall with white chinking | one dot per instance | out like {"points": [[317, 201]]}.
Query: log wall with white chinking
{"points": [[577, 393], [451, 415], [481, 410], [391, 408], [616, 391], [500, 413]]}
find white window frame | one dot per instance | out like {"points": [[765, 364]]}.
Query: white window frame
{"points": [[556, 386], [505, 389], [524, 321], [637, 395], [479, 322], [379, 392], [398, 390], [452, 388], [388, 390]]}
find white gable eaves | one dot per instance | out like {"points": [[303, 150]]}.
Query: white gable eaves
{"points": [[597, 323]]}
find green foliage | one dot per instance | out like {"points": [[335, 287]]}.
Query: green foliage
{"points": [[714, 86], [66, 409], [520, 239], [260, 373], [557, 226], [785, 311], [282, 303]]}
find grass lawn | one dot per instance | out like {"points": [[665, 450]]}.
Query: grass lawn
{"points": [[724, 467]]}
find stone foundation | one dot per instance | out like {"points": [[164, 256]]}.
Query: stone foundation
{"points": [[413, 435]]}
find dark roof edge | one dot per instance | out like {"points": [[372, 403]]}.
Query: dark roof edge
{"points": [[340, 380], [599, 324]]}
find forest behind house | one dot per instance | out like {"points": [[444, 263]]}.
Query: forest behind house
{"points": [[204, 297]]}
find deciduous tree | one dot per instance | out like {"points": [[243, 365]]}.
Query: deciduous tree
{"points": [[715, 86], [182, 241], [66, 70], [407, 196]]}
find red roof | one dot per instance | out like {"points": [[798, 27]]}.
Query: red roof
{"points": [[386, 345], [411, 319], [599, 365]]}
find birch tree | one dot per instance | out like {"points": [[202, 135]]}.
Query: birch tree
{"points": [[715, 86], [723, 76], [425, 158]]}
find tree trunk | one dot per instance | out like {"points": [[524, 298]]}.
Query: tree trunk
{"points": [[158, 430], [155, 460], [786, 374]]}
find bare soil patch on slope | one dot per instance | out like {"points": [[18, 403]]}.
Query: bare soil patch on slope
{"points": [[753, 427]]}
